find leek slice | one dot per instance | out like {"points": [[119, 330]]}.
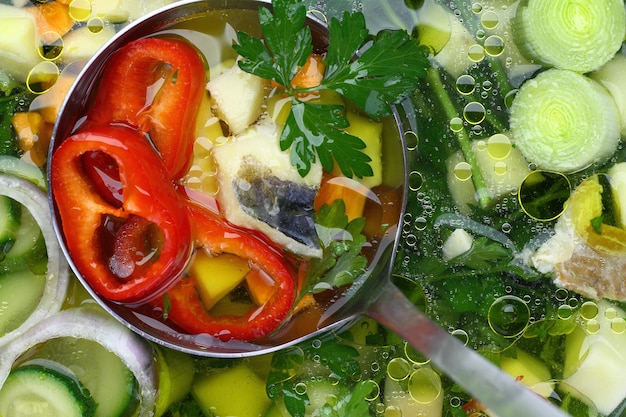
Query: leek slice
{"points": [[564, 121], [613, 77], [577, 35]]}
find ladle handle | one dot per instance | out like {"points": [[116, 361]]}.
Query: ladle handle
{"points": [[481, 378]]}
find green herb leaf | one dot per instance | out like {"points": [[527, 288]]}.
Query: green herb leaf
{"points": [[484, 254], [342, 241], [317, 129], [384, 74], [288, 43]]}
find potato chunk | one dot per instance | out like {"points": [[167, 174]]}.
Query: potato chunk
{"points": [[237, 97]]}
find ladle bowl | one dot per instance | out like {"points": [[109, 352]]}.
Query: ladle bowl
{"points": [[373, 294]]}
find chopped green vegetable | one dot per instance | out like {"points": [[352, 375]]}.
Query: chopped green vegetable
{"points": [[564, 121], [341, 242], [384, 74], [576, 35]]}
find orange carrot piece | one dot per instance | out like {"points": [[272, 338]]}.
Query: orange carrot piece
{"points": [[33, 135], [52, 16], [311, 73], [353, 193]]}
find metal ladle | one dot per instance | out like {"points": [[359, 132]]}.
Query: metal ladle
{"points": [[373, 294]]}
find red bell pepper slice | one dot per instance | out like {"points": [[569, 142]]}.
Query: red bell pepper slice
{"points": [[213, 234], [128, 251], [156, 86]]}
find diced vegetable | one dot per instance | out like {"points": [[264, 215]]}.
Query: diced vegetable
{"points": [[238, 391], [217, 276], [617, 173], [29, 248], [502, 172], [599, 362], [450, 40], [580, 36], [19, 41], [370, 132], [52, 16], [82, 43], [611, 76], [176, 372], [529, 371], [33, 134], [351, 191], [459, 242], [564, 121], [238, 97], [37, 391]]}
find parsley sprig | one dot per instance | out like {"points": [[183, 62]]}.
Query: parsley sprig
{"points": [[384, 73]]}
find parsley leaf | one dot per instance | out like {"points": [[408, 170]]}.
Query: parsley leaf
{"points": [[312, 128], [342, 241], [384, 74]]}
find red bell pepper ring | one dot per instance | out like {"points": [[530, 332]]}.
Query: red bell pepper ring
{"points": [[213, 234], [156, 86], [130, 250]]}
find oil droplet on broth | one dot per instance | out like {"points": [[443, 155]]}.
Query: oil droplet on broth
{"points": [[465, 84], [424, 385], [564, 312], [42, 77], [489, 20], [95, 25], [494, 45], [589, 310], [592, 326], [474, 112], [463, 171], [476, 53], [411, 140], [416, 180], [80, 10], [499, 146], [618, 326], [51, 46], [398, 369], [456, 124], [477, 8], [509, 316]]}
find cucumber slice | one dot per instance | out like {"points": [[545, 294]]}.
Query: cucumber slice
{"points": [[37, 391], [577, 35], [20, 293], [111, 384], [29, 247], [9, 224]]}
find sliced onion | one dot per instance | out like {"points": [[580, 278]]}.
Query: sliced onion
{"points": [[93, 324], [57, 275]]}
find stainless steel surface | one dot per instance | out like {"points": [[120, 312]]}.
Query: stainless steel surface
{"points": [[373, 294]]}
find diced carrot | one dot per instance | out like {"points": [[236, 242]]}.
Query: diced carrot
{"points": [[33, 135], [307, 300], [260, 286], [311, 73], [353, 193], [52, 16]]}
